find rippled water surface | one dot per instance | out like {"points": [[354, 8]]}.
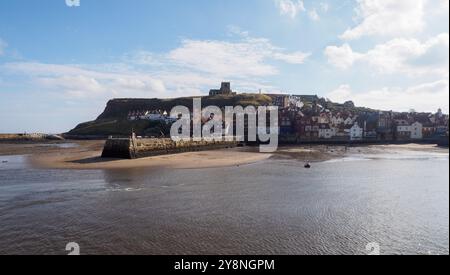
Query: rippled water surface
{"points": [[397, 199]]}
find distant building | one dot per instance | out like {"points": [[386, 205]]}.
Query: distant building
{"points": [[348, 121], [279, 100], [406, 131], [337, 120], [308, 98], [326, 132], [385, 126], [349, 104], [225, 89], [324, 118], [295, 101], [356, 132], [416, 130], [156, 115], [403, 129], [441, 130]]}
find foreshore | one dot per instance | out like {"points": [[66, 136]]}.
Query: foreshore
{"points": [[85, 155]]}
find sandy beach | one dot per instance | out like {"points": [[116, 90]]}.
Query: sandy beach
{"points": [[85, 155]]}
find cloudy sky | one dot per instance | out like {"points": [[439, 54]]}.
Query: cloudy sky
{"points": [[59, 65]]}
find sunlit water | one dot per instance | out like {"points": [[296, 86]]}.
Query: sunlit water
{"points": [[399, 200]]}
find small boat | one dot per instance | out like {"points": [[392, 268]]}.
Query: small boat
{"points": [[4, 161], [307, 164]]}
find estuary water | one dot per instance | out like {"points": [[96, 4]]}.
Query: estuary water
{"points": [[397, 200]]}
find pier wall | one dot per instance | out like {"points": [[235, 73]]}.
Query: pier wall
{"points": [[129, 148]]}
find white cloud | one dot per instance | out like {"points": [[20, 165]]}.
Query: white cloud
{"points": [[425, 97], [325, 7], [411, 56], [387, 18], [75, 86], [341, 94], [191, 69], [236, 30], [3, 46], [407, 56], [342, 57], [290, 8], [84, 81], [142, 57], [224, 58], [246, 58], [314, 15], [438, 6], [292, 58]]}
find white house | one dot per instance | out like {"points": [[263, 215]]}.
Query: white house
{"points": [[416, 130], [152, 117], [155, 116], [349, 121], [413, 131], [403, 132], [356, 132], [327, 132]]}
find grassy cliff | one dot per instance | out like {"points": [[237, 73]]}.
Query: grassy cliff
{"points": [[113, 120]]}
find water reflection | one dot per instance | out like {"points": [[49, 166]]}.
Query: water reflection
{"points": [[273, 207]]}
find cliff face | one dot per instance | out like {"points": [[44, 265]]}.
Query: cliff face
{"points": [[113, 120], [119, 108]]}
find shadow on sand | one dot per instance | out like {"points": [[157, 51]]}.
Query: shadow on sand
{"points": [[94, 160]]}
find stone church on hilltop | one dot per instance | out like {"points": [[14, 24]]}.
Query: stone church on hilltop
{"points": [[225, 89]]}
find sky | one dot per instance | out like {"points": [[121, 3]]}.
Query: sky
{"points": [[62, 60]]}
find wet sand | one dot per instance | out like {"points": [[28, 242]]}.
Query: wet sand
{"points": [[85, 155], [191, 160]]}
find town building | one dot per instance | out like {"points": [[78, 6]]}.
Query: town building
{"points": [[279, 100], [326, 132], [356, 132], [324, 118], [349, 121], [407, 131], [308, 98], [403, 130], [337, 120], [292, 101], [385, 126], [416, 130], [156, 115], [285, 124]]}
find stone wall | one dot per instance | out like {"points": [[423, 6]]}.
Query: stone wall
{"points": [[128, 148], [119, 148]]}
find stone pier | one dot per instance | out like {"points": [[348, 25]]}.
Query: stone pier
{"points": [[132, 148]]}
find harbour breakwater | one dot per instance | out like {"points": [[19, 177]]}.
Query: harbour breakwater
{"points": [[132, 148], [29, 138]]}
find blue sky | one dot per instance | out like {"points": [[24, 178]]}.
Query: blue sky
{"points": [[59, 65]]}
